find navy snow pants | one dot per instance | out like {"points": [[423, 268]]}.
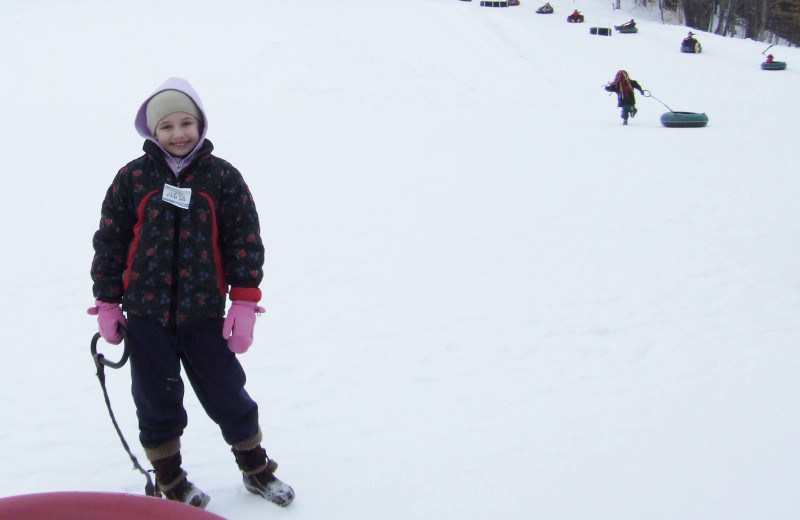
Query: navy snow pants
{"points": [[213, 371], [628, 110]]}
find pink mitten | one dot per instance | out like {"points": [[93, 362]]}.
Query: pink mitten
{"points": [[109, 320], [239, 324]]}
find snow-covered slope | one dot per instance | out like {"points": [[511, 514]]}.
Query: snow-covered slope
{"points": [[486, 297]]}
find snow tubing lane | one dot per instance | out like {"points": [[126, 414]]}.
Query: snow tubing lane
{"points": [[775, 65], [684, 119], [76, 505]]}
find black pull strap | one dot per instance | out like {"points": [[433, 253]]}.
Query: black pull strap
{"points": [[101, 362]]}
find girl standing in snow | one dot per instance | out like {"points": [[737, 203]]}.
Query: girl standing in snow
{"points": [[626, 99], [178, 227]]}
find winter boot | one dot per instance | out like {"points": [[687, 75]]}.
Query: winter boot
{"points": [[258, 474], [172, 483], [633, 111], [624, 121]]}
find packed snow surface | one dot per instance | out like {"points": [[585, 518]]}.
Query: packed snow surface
{"points": [[486, 298]]}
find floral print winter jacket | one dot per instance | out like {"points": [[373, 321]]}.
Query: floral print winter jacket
{"points": [[172, 264]]}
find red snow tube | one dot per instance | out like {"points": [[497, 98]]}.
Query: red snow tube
{"points": [[76, 505]]}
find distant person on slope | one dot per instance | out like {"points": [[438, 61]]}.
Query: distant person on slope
{"points": [[690, 41], [545, 9], [623, 85]]}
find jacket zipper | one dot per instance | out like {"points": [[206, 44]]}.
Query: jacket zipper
{"points": [[176, 257]]}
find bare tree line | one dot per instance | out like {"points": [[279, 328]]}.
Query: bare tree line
{"points": [[761, 20]]}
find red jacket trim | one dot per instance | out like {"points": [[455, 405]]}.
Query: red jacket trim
{"points": [[223, 285], [250, 294], [137, 231]]}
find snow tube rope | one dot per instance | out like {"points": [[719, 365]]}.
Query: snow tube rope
{"points": [[100, 363], [646, 93]]}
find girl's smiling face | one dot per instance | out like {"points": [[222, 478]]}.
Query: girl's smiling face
{"points": [[178, 133]]}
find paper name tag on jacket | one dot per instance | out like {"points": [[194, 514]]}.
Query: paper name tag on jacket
{"points": [[177, 196]]}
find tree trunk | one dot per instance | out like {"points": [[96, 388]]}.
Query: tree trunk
{"points": [[698, 13], [723, 18], [756, 18]]}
